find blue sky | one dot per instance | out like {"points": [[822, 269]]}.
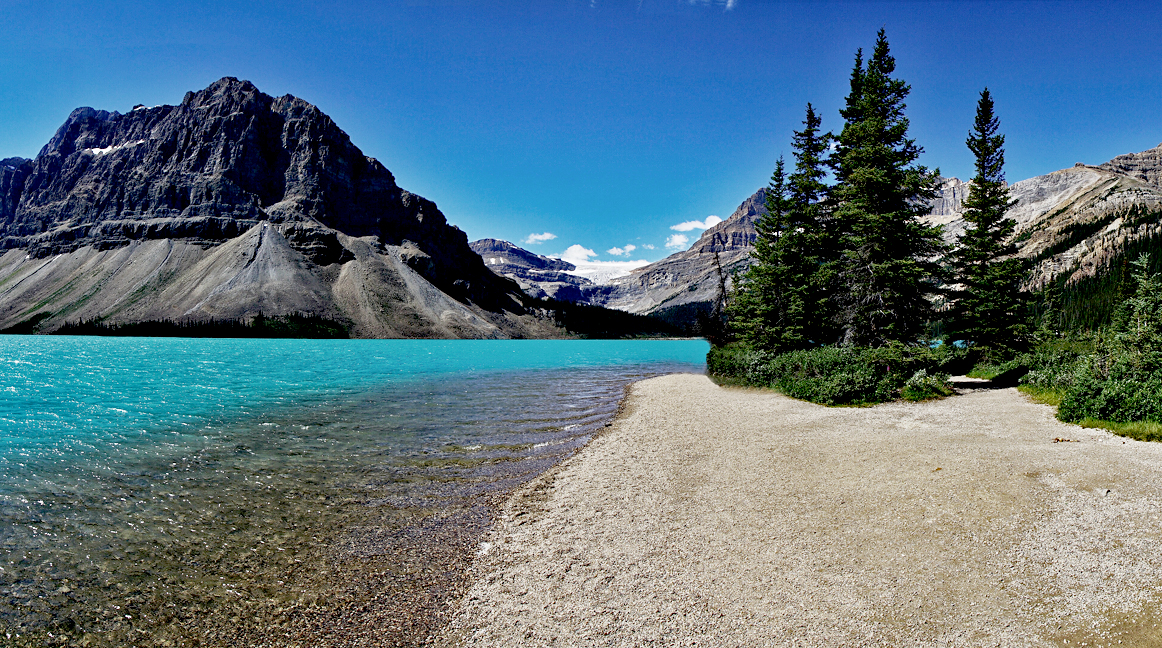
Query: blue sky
{"points": [[602, 122]]}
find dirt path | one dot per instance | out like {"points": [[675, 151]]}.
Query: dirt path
{"points": [[711, 516]]}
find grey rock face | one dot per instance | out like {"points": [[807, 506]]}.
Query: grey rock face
{"points": [[502, 253], [1073, 221], [224, 159], [231, 166], [690, 277], [1145, 166]]}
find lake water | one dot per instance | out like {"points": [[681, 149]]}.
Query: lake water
{"points": [[205, 492]]}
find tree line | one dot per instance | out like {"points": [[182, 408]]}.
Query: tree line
{"points": [[849, 288], [843, 258]]}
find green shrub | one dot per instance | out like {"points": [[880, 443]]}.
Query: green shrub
{"points": [[923, 386], [1122, 380], [1052, 367], [832, 375]]}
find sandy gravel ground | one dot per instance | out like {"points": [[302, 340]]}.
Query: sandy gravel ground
{"points": [[709, 516]]}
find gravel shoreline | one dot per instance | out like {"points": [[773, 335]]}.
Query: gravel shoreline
{"points": [[711, 516]]}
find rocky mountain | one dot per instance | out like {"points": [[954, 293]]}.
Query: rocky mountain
{"points": [[1072, 223], [539, 276], [691, 278], [1145, 166], [230, 204]]}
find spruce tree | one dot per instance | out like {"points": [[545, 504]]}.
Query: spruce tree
{"points": [[808, 242], [989, 310], [782, 302], [889, 271], [759, 301]]}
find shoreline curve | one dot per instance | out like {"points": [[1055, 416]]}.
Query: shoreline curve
{"points": [[715, 516]]}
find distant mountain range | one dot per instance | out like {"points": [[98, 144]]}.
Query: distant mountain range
{"points": [[229, 205], [1072, 223], [235, 205], [673, 288]]}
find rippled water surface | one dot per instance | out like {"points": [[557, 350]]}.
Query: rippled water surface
{"points": [[164, 491]]}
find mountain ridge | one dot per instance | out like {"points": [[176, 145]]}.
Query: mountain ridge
{"points": [[229, 204]]}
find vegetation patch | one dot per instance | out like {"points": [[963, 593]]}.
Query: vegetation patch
{"points": [[923, 386], [840, 375], [28, 326], [985, 371], [596, 322], [1140, 430], [260, 326], [1042, 395]]}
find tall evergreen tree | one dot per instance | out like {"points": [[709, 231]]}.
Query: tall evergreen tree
{"points": [[889, 271], [808, 244], [782, 301], [758, 301], [989, 309]]}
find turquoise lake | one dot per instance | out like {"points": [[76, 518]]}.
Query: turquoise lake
{"points": [[204, 492]]}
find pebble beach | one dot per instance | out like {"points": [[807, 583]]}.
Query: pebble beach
{"points": [[715, 516]]}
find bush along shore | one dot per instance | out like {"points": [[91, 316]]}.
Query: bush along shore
{"points": [[852, 300], [841, 375]]}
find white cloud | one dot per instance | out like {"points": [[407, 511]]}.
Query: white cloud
{"points": [[577, 255], [710, 221], [534, 239], [677, 241], [649, 247], [625, 251]]}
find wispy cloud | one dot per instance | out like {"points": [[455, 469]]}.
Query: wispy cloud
{"points": [[726, 5], [625, 251], [534, 239], [710, 221], [649, 247], [677, 241]]}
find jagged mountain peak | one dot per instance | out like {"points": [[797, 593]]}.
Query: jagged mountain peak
{"points": [[227, 151], [538, 276], [200, 188]]}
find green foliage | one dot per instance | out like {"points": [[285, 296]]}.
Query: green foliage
{"points": [[781, 302], [596, 322], [1051, 366], [923, 386], [990, 311], [1089, 304], [1140, 430], [1122, 380], [889, 271], [686, 319], [831, 375]]}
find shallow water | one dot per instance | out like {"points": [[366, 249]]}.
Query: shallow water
{"points": [[274, 492]]}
